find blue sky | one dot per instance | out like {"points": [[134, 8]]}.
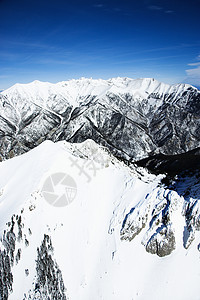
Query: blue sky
{"points": [[58, 40]]}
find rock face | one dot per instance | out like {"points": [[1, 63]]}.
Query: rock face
{"points": [[133, 118], [154, 216], [162, 243], [163, 212]]}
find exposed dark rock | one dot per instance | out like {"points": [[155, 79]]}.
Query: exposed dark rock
{"points": [[172, 164], [152, 217], [162, 242], [133, 223]]}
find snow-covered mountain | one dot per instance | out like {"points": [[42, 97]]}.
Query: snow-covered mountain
{"points": [[120, 237], [100, 199], [133, 118]]}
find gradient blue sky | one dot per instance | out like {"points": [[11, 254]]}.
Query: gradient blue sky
{"points": [[57, 40]]}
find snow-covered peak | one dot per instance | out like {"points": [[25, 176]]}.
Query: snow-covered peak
{"points": [[77, 89], [116, 229]]}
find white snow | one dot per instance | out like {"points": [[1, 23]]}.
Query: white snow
{"points": [[76, 91], [95, 263]]}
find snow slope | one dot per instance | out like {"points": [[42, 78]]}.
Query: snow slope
{"points": [[95, 260]]}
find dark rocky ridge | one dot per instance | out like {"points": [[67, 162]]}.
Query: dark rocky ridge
{"points": [[172, 164]]}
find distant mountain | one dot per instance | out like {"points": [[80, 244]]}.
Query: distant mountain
{"points": [[133, 118]]}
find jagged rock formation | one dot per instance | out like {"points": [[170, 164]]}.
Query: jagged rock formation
{"points": [[155, 211], [153, 216], [161, 243], [133, 118]]}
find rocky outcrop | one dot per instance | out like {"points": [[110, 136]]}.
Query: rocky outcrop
{"points": [[165, 213], [171, 164], [162, 242], [154, 217]]}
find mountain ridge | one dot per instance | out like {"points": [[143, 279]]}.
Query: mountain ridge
{"points": [[118, 228], [134, 118], [118, 82]]}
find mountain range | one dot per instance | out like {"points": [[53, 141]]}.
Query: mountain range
{"points": [[133, 118], [100, 190]]}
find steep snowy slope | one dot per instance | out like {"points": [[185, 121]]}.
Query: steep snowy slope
{"points": [[112, 236], [134, 118]]}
